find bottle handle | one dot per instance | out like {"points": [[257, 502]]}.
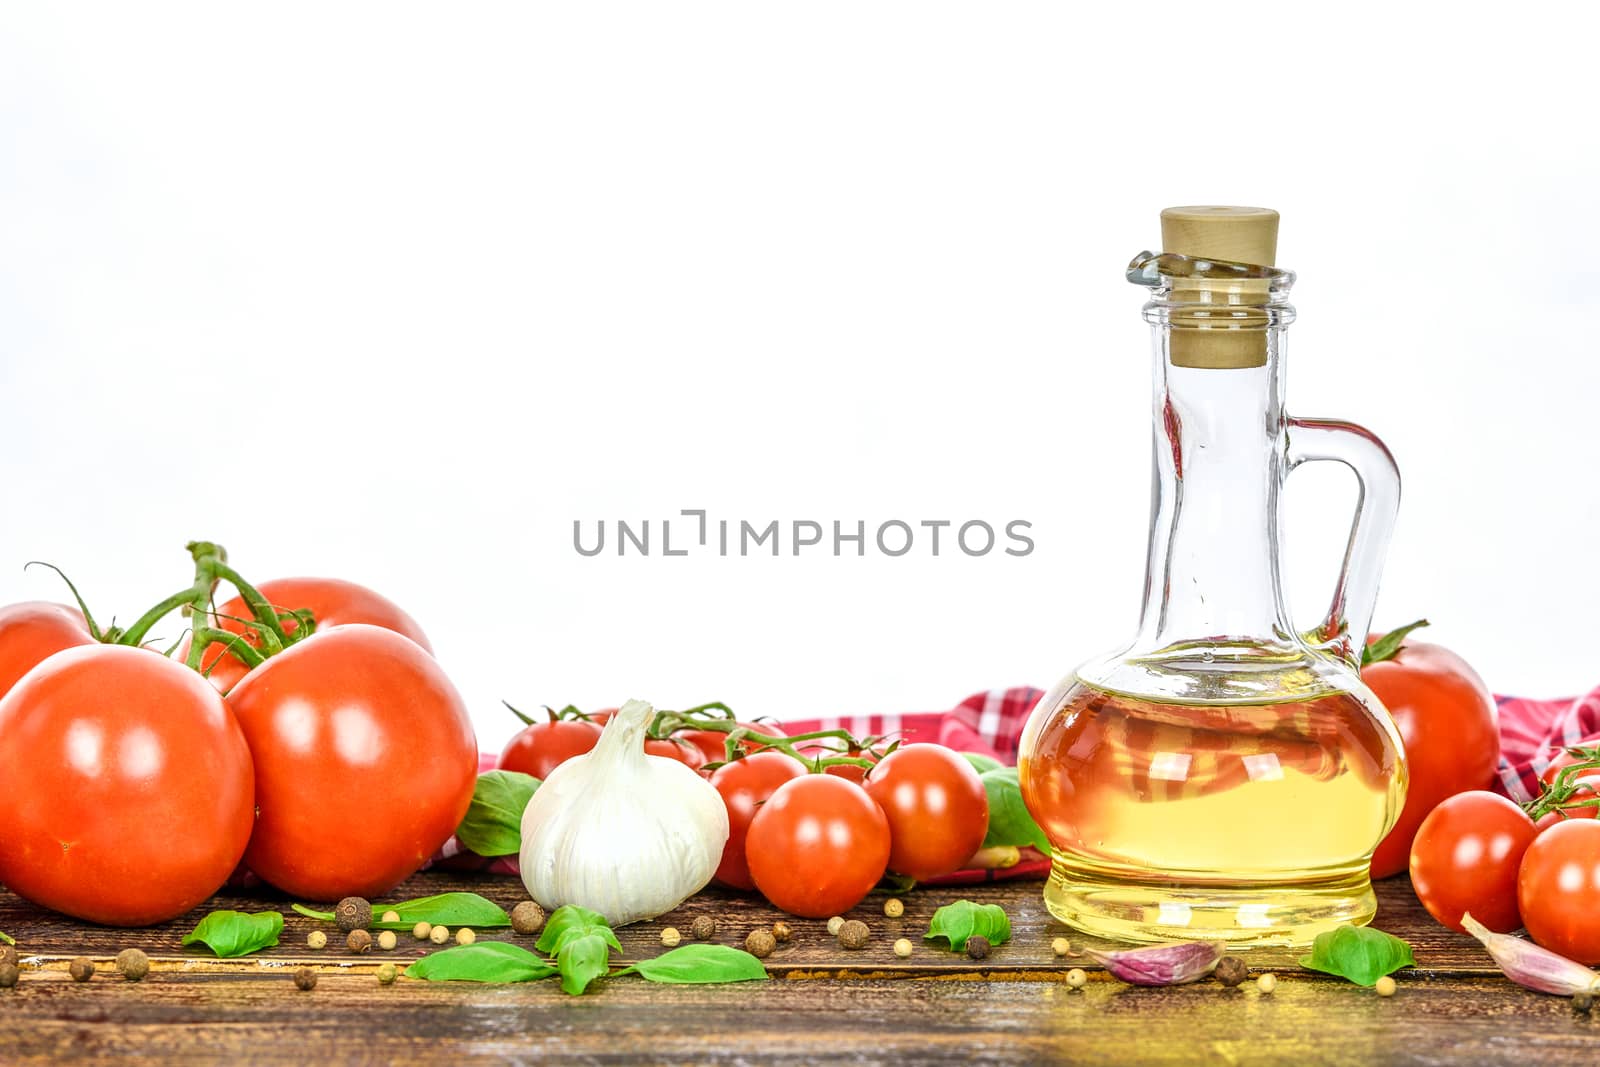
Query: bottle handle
{"points": [[1343, 633]]}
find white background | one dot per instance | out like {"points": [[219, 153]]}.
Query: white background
{"points": [[397, 293]]}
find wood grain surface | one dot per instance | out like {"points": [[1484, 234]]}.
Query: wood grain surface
{"points": [[825, 1004]]}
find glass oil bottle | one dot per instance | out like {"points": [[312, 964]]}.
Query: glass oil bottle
{"points": [[1226, 776]]}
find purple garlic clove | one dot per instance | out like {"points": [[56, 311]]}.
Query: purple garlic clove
{"points": [[1529, 965], [1174, 964]]}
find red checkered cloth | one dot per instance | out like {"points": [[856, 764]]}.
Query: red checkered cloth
{"points": [[1532, 733]]}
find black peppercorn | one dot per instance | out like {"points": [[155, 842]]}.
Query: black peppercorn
{"points": [[8, 954], [527, 918], [8, 975], [978, 947], [353, 913], [854, 934], [81, 969], [704, 928], [359, 941], [1231, 971], [133, 964], [305, 979], [760, 943], [782, 931]]}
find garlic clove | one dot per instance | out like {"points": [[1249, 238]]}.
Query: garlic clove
{"points": [[1530, 965]]}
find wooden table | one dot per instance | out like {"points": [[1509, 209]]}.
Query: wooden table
{"points": [[823, 1003]]}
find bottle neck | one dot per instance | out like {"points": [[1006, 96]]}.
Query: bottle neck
{"points": [[1213, 573]]}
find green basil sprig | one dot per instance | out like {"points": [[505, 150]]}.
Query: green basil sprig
{"points": [[1359, 953], [7, 938], [441, 909], [237, 933], [482, 961], [964, 919], [492, 825], [700, 965], [581, 942]]}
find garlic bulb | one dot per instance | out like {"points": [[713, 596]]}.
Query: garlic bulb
{"points": [[620, 832]]}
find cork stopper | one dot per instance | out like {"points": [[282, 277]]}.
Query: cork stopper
{"points": [[1221, 338]]}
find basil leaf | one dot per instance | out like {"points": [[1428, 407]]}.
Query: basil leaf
{"points": [[441, 909], [981, 763], [483, 961], [700, 965], [492, 825], [963, 920], [583, 959], [1359, 953], [1010, 823], [236, 933], [570, 922]]}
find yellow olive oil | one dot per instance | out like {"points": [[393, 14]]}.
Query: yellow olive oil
{"points": [[1250, 823]]}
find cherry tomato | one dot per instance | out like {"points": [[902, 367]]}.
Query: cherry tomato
{"points": [[745, 785], [1448, 722], [818, 846], [129, 792], [365, 762], [331, 601], [1465, 858], [32, 631], [937, 809], [714, 743], [673, 748], [542, 747], [1558, 890]]}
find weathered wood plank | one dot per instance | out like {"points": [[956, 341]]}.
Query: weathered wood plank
{"points": [[53, 939]]}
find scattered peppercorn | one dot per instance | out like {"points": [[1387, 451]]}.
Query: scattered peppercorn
{"points": [[421, 931], [8, 975], [305, 979], [902, 948], [353, 913], [8, 954], [670, 936], [391, 916], [1061, 946], [1231, 970], [1384, 986], [527, 918], [386, 974], [1582, 1001], [387, 940], [81, 969], [834, 924], [704, 928], [760, 943], [854, 934], [359, 941], [781, 931], [1076, 978], [1267, 983], [133, 964], [439, 935], [316, 939], [894, 907], [978, 947], [465, 936]]}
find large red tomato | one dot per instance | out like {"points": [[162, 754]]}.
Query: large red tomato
{"points": [[937, 809], [31, 631], [331, 601], [1447, 720], [818, 846], [365, 761], [1466, 856], [745, 785], [129, 793], [1558, 889]]}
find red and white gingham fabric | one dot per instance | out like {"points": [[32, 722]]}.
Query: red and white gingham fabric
{"points": [[1532, 733]]}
